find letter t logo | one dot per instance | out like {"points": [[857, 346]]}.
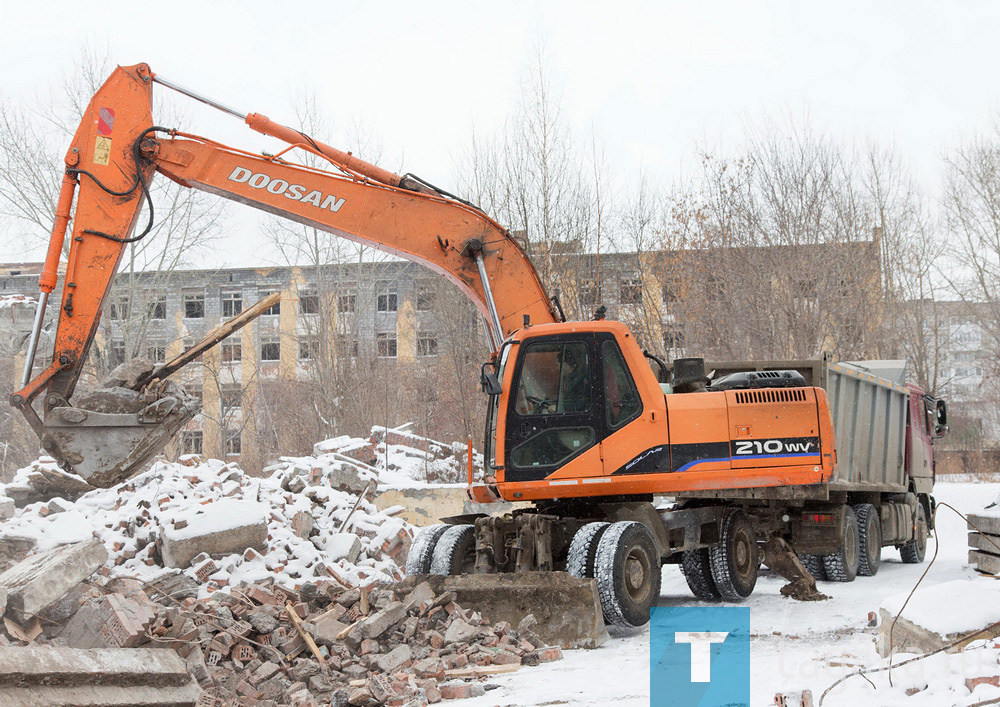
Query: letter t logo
{"points": [[701, 651]]}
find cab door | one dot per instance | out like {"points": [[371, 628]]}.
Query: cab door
{"points": [[555, 413]]}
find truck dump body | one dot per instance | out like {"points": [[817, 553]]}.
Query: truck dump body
{"points": [[867, 402]]}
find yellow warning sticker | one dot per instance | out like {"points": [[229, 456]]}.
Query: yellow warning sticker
{"points": [[102, 150]]}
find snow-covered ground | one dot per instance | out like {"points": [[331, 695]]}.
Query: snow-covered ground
{"points": [[794, 645]]}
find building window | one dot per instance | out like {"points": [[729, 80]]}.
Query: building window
{"points": [[156, 351], [275, 309], [119, 308], [427, 345], [673, 338], [232, 304], [668, 295], [234, 444], [308, 302], [426, 297], [630, 291], [270, 350], [232, 350], [385, 345], [232, 398], [385, 300], [192, 442], [308, 348], [590, 295], [117, 351], [347, 346], [194, 306], [346, 302], [158, 308]]}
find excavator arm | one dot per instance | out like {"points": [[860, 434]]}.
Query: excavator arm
{"points": [[114, 155]]}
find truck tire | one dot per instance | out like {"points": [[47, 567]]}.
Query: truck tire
{"points": [[842, 565], [583, 549], [455, 551], [696, 566], [869, 539], [814, 563], [736, 559], [627, 569], [418, 561], [913, 552]]}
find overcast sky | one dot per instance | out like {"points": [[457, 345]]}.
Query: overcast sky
{"points": [[654, 80]]}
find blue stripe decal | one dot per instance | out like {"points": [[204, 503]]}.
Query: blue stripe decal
{"points": [[743, 456]]}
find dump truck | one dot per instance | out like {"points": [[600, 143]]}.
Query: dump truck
{"points": [[579, 422]]}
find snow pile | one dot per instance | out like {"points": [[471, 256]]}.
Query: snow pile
{"points": [[9, 301], [971, 604], [406, 460], [305, 512]]}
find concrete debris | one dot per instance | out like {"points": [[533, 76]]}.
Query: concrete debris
{"points": [[244, 648], [221, 527], [43, 480], [51, 675], [39, 581]]}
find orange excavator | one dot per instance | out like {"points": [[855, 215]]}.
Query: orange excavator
{"points": [[582, 422]]}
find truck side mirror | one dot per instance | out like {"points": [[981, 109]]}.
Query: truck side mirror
{"points": [[489, 381]]}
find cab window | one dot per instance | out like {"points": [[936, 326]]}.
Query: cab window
{"points": [[555, 379], [622, 402]]}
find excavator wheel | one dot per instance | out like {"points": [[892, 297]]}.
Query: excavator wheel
{"points": [[455, 551], [627, 569], [583, 550], [696, 566], [418, 561], [736, 559]]}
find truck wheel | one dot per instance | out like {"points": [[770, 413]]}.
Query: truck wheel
{"points": [[842, 565], [696, 566], [814, 563], [418, 561], [869, 539], [736, 559], [627, 569], [583, 549], [455, 551], [913, 552]]}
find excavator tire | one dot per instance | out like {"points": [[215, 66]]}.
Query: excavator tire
{"points": [[583, 550], [455, 551], [418, 561], [736, 559], [697, 570], [842, 565], [814, 563], [627, 569], [869, 539]]}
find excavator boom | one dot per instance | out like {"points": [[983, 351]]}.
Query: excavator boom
{"points": [[115, 153]]}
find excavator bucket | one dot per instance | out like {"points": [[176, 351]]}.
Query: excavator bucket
{"points": [[114, 432]]}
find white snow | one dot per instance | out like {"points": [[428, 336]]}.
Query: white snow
{"points": [[794, 645], [218, 517], [952, 607]]}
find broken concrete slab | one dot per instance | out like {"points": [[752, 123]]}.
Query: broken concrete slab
{"points": [[49, 675], [381, 621], [567, 609], [6, 508], [39, 581], [394, 658], [226, 527]]}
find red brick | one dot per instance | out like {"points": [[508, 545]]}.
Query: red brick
{"points": [[971, 683]]}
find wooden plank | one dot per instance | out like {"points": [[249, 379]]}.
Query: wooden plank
{"points": [[211, 339], [990, 544], [984, 562], [985, 524]]}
